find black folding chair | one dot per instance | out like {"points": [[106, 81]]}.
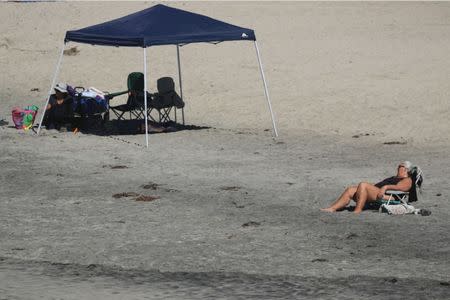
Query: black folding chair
{"points": [[165, 100]]}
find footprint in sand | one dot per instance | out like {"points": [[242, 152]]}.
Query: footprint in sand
{"points": [[136, 196], [395, 143], [71, 51], [251, 224], [115, 167], [230, 188], [125, 194], [155, 186], [150, 186], [143, 198]]}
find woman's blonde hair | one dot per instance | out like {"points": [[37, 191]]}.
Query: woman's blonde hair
{"points": [[407, 164]]}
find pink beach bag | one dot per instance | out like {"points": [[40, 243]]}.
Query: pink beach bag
{"points": [[24, 118]]}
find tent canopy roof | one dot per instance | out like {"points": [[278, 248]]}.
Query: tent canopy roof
{"points": [[159, 25]]}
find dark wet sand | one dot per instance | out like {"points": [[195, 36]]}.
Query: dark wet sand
{"points": [[71, 281]]}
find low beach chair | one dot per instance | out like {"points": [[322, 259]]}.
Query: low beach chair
{"points": [[401, 197], [165, 100]]}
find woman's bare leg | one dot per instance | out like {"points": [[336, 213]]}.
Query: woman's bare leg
{"points": [[364, 193], [343, 200]]}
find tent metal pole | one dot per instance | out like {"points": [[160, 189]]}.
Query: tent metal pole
{"points": [[58, 64], [145, 97], [266, 92], [180, 81]]}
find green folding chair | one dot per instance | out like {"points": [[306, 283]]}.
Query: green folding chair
{"points": [[135, 103]]}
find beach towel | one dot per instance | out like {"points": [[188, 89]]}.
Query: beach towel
{"points": [[404, 209], [398, 209]]}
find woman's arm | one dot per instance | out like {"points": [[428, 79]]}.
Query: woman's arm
{"points": [[403, 185], [51, 102]]}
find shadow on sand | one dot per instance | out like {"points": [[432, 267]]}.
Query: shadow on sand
{"points": [[132, 127], [97, 126]]}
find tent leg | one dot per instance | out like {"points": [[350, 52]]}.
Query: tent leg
{"points": [[266, 92], [175, 113], [145, 97], [180, 81], [58, 64]]}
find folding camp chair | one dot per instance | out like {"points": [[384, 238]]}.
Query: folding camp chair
{"points": [[401, 197], [165, 100], [135, 102]]}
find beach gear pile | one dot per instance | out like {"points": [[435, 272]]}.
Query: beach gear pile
{"points": [[88, 102], [24, 118]]}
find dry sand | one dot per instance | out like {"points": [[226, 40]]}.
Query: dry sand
{"points": [[345, 79]]}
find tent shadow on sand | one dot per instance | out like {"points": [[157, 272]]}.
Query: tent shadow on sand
{"points": [[132, 127]]}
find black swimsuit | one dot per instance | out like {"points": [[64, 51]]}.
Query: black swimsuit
{"points": [[389, 181], [59, 114]]}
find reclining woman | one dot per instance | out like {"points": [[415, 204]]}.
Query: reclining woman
{"points": [[365, 192], [59, 111]]}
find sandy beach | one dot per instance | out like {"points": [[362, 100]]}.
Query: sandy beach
{"points": [[356, 88]]}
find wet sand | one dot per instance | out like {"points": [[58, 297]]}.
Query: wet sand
{"points": [[68, 281]]}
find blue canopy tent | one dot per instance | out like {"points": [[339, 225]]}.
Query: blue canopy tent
{"points": [[161, 25]]}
